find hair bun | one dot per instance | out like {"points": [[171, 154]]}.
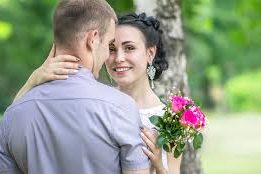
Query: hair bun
{"points": [[155, 24], [142, 16], [149, 21]]}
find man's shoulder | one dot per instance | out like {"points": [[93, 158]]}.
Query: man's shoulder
{"points": [[114, 96], [73, 91]]}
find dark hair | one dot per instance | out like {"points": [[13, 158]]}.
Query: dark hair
{"points": [[72, 17], [150, 27]]}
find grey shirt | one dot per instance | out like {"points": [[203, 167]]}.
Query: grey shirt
{"points": [[72, 126]]}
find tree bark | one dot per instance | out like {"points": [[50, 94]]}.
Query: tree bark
{"points": [[169, 14]]}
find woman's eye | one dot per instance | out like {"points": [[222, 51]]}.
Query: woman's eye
{"points": [[129, 48], [112, 49]]}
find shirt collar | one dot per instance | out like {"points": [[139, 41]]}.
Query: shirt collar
{"points": [[85, 74]]}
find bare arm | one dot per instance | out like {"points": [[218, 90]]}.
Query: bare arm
{"points": [[174, 163], [54, 68], [29, 84]]}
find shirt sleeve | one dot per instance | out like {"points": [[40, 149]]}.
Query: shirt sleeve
{"points": [[127, 134], [7, 164]]}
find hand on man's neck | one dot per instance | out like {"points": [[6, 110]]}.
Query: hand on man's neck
{"points": [[76, 53]]}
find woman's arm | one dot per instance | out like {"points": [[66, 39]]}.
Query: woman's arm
{"points": [[173, 163], [54, 68], [29, 84]]}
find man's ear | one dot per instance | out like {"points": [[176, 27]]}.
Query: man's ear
{"points": [[151, 51], [92, 38]]}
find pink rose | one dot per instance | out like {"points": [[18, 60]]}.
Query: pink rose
{"points": [[189, 118], [179, 103], [201, 117], [193, 117]]}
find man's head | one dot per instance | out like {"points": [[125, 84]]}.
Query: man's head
{"points": [[85, 28]]}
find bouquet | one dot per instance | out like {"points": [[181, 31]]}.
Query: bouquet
{"points": [[182, 122]]}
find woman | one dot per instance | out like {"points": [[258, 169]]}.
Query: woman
{"points": [[136, 57]]}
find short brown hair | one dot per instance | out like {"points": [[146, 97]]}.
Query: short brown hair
{"points": [[73, 17]]}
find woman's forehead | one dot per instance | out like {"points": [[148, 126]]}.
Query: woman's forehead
{"points": [[128, 33]]}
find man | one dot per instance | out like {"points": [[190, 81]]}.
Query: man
{"points": [[77, 125]]}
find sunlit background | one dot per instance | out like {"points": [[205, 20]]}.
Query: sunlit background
{"points": [[223, 48]]}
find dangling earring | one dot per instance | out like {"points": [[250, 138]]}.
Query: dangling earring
{"points": [[151, 73]]}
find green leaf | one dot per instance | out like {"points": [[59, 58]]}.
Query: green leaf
{"points": [[181, 147], [177, 153], [160, 141], [155, 120], [166, 147], [197, 141]]}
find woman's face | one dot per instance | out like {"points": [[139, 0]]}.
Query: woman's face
{"points": [[127, 63]]}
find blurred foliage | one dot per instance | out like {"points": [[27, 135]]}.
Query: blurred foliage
{"points": [[243, 92], [122, 7], [222, 41], [221, 34], [25, 37]]}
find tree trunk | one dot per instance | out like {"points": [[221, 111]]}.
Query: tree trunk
{"points": [[169, 14]]}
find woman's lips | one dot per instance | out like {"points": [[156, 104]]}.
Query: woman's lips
{"points": [[121, 69]]}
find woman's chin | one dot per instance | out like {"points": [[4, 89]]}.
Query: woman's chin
{"points": [[123, 83]]}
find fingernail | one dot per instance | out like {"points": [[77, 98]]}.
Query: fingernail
{"points": [[144, 148], [75, 71], [142, 134], [154, 129]]}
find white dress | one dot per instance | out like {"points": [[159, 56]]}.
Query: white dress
{"points": [[145, 114]]}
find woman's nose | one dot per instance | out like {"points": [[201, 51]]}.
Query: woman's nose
{"points": [[120, 57]]}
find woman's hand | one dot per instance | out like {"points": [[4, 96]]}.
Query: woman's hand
{"points": [[153, 152], [55, 68]]}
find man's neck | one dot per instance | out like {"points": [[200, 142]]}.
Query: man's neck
{"points": [[60, 51], [83, 60]]}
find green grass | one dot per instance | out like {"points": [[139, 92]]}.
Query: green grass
{"points": [[233, 144]]}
